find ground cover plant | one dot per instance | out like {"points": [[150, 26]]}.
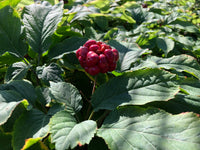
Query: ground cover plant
{"points": [[99, 74]]}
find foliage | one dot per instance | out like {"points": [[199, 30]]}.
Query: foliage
{"points": [[48, 101]]}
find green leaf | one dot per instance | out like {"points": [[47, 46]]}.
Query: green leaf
{"points": [[165, 44], [40, 28], [128, 54], [6, 110], [24, 88], [8, 59], [135, 88], [5, 141], [48, 73], [67, 133], [149, 129], [191, 86], [11, 33], [17, 71], [66, 46], [68, 94], [180, 63], [33, 144], [32, 124], [12, 3]]}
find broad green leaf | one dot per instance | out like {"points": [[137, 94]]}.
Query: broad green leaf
{"points": [[5, 141], [11, 33], [150, 129], [165, 44], [180, 63], [90, 33], [135, 88], [128, 54], [32, 124], [67, 133], [191, 86], [24, 88], [68, 94], [43, 95], [66, 46], [6, 110], [40, 28], [17, 71], [52, 72], [34, 144], [12, 3]]}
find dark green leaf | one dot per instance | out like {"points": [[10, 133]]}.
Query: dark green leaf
{"points": [[5, 141], [40, 21], [135, 88], [165, 44]]}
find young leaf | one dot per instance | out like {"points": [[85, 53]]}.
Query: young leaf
{"points": [[16, 71], [149, 129], [40, 21], [180, 63], [128, 53], [67, 133], [135, 88], [68, 94], [11, 33], [165, 44], [48, 73]]}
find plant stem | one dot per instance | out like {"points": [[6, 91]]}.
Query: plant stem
{"points": [[90, 106], [101, 118]]}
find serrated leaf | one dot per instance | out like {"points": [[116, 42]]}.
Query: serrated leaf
{"points": [[5, 141], [66, 46], [17, 71], [67, 133], [128, 54], [68, 94], [165, 44], [32, 124], [180, 63], [135, 88], [52, 72], [40, 28], [11, 33], [149, 129], [6, 110]]}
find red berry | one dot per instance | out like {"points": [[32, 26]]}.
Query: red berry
{"points": [[89, 42], [94, 47], [82, 61], [92, 59], [116, 54], [109, 55], [103, 63], [83, 51], [78, 53], [94, 70], [104, 47], [99, 43], [112, 66]]}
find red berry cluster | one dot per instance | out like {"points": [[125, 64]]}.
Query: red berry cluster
{"points": [[97, 57]]}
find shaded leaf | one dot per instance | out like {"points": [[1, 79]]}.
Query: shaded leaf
{"points": [[17, 71], [33, 144], [135, 88], [40, 28], [68, 94], [180, 63], [165, 44], [67, 133], [149, 129], [49, 73], [5, 141], [128, 54], [11, 33]]}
